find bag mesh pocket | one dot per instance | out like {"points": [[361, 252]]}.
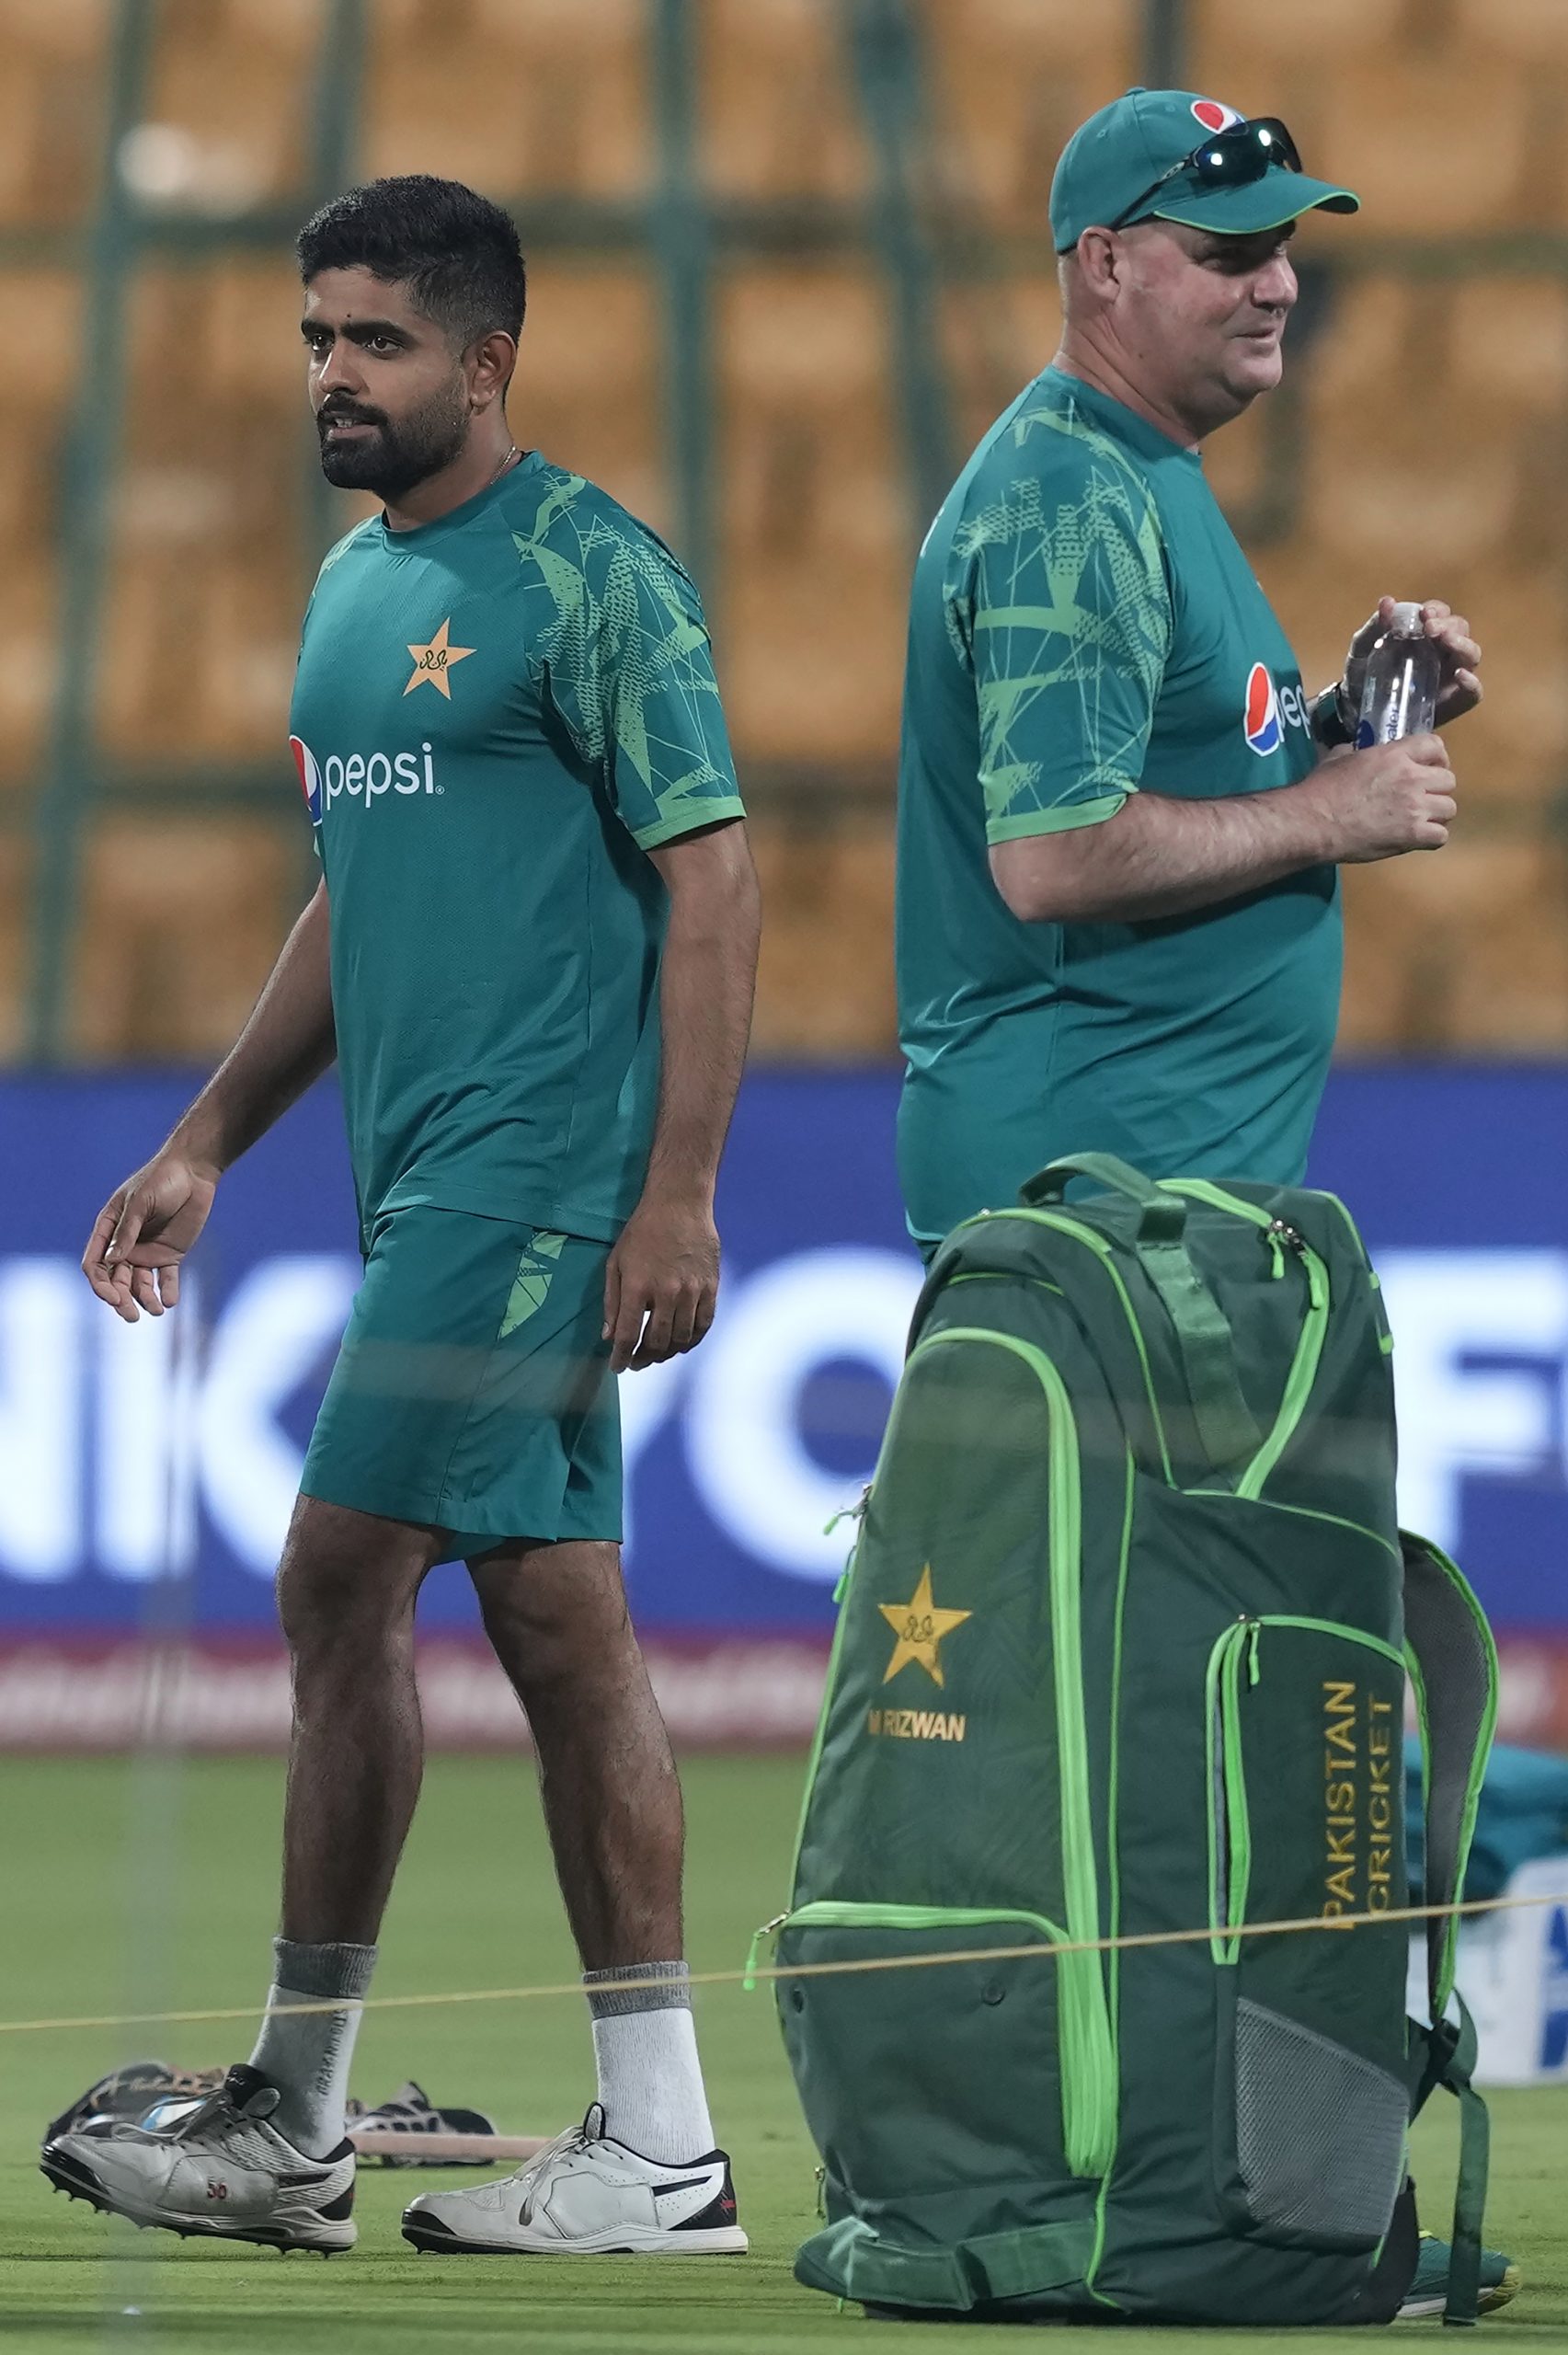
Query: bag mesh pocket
{"points": [[1319, 2132]]}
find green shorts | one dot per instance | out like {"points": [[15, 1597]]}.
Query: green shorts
{"points": [[473, 1392]]}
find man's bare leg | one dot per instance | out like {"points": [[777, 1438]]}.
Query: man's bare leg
{"points": [[345, 1594], [557, 1616]]}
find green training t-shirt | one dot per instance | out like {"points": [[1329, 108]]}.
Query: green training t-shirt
{"points": [[1084, 625], [496, 717]]}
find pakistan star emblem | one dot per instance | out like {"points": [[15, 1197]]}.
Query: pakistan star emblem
{"points": [[919, 1627], [433, 663]]}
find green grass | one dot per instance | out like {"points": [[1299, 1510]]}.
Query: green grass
{"points": [[140, 1889]]}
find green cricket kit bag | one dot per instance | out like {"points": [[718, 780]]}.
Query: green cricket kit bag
{"points": [[1122, 1652]]}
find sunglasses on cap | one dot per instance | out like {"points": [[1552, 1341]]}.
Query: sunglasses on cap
{"points": [[1226, 159]]}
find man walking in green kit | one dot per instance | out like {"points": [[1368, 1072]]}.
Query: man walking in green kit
{"points": [[1120, 818], [532, 954], [1118, 924]]}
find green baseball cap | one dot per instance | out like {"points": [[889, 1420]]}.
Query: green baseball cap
{"points": [[1114, 170]]}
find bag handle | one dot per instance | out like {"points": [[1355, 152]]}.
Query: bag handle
{"points": [[1164, 1215], [1226, 1427]]}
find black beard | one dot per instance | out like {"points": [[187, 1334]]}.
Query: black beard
{"points": [[395, 459]]}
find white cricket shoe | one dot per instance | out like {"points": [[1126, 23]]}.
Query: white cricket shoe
{"points": [[213, 2167], [587, 2195]]}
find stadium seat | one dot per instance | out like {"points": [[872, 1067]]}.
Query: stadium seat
{"points": [[815, 520], [40, 314], [1534, 30], [780, 114], [180, 920], [215, 447], [591, 381], [1507, 346], [1423, 500], [825, 985], [1010, 80], [552, 97], [1512, 754], [196, 659], [1244, 53], [51, 110], [1400, 161], [16, 861], [997, 333], [1475, 939], [28, 592], [226, 122]]}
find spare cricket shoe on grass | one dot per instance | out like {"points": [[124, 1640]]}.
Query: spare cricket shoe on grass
{"points": [[587, 2195], [1428, 2293], [212, 2167]]}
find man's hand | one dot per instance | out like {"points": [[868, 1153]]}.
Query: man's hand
{"points": [[1380, 803], [144, 1232], [1459, 690], [664, 1268]]}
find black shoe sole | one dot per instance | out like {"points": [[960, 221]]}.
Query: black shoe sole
{"points": [[79, 2182]]}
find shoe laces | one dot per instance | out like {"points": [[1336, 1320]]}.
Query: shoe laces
{"points": [[220, 2108]]}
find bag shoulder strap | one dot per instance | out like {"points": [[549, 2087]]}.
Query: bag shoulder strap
{"points": [[1453, 1665]]}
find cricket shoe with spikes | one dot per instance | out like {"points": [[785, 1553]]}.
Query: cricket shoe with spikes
{"points": [[587, 2195], [213, 2167]]}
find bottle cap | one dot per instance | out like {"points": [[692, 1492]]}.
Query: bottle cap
{"points": [[1407, 622]]}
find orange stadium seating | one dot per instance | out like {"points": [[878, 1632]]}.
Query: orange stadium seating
{"points": [[825, 984], [16, 863], [40, 313], [553, 97], [207, 559], [181, 918], [51, 110], [1432, 405], [779, 113], [223, 127], [1010, 80], [816, 526], [997, 332], [591, 381]]}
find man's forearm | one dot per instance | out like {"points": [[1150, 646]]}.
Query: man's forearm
{"points": [[705, 992], [1164, 857], [286, 1044]]}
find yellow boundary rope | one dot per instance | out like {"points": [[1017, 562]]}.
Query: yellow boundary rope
{"points": [[752, 1976]]}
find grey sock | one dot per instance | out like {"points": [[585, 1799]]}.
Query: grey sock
{"points": [[323, 1971], [306, 2053], [661, 1987]]}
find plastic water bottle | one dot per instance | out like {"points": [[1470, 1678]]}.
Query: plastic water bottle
{"points": [[1403, 673]]}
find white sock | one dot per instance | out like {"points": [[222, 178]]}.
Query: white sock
{"points": [[306, 2053], [650, 2080]]}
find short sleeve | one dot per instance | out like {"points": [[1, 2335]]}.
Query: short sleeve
{"points": [[634, 681], [1058, 602]]}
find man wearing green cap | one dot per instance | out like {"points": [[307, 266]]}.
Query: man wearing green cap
{"points": [[1118, 924], [1120, 819]]}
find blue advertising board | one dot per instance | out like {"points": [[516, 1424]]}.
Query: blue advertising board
{"points": [[126, 1452]]}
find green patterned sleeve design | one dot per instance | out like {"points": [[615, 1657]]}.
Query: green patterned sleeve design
{"points": [[630, 670], [1058, 604]]}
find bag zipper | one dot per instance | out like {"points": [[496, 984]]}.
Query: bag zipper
{"points": [[1281, 1237], [1088, 2071], [1088, 2075], [1089, 2084], [1235, 1652]]}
